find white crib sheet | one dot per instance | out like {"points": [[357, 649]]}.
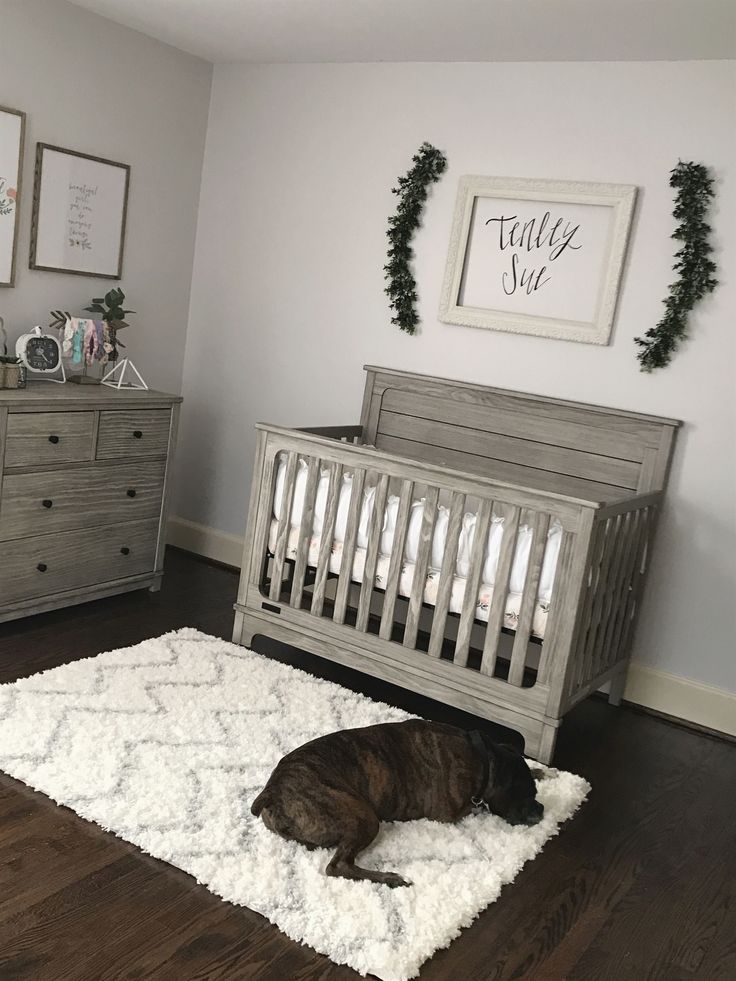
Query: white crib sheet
{"points": [[465, 544], [485, 592]]}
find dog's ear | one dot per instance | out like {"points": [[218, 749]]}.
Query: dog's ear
{"points": [[511, 748], [537, 773], [505, 759]]}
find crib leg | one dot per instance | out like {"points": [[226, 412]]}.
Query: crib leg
{"points": [[540, 744], [547, 743], [618, 683], [244, 629]]}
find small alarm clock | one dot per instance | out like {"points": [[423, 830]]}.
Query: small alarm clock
{"points": [[41, 354]]}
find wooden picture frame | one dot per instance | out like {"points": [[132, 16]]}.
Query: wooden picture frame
{"points": [[80, 205], [537, 257], [12, 139]]}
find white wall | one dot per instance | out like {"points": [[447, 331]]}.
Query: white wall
{"points": [[288, 303], [91, 85]]}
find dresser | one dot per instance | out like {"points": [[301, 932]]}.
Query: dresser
{"points": [[85, 475]]}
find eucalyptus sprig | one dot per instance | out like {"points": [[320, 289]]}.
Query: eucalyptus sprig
{"points": [[692, 262], [429, 165]]}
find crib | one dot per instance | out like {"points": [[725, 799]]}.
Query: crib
{"points": [[483, 547]]}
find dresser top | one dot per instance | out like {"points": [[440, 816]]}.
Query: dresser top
{"points": [[45, 394]]}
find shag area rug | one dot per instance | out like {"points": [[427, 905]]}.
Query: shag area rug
{"points": [[167, 743]]}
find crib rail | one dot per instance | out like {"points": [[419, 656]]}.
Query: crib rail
{"points": [[286, 580]]}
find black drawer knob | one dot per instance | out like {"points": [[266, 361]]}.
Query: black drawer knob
{"points": [[130, 492], [42, 567], [47, 503], [137, 433], [53, 439], [125, 550]]}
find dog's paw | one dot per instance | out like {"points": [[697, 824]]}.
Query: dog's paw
{"points": [[393, 880]]}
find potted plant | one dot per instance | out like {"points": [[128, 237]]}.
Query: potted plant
{"points": [[110, 309], [11, 372]]}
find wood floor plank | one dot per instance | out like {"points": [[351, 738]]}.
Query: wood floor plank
{"points": [[639, 885], [652, 918]]}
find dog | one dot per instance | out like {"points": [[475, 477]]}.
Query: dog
{"points": [[335, 790]]}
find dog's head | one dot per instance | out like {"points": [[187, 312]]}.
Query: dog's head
{"points": [[511, 792]]}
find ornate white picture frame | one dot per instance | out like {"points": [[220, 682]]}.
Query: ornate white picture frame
{"points": [[537, 256]]}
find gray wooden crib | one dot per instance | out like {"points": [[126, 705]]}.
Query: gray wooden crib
{"points": [[470, 457]]}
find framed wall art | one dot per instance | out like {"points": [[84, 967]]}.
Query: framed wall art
{"points": [[537, 256], [79, 210], [12, 133]]}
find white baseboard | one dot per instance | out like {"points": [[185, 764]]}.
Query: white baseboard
{"points": [[202, 540], [683, 698]]}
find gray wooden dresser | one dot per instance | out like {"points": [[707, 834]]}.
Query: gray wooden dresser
{"points": [[84, 481]]}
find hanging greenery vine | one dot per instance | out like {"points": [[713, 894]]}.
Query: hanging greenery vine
{"points": [[429, 164], [693, 263]]}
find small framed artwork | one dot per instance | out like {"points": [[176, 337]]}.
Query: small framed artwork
{"points": [[537, 256], [12, 133], [79, 209]]}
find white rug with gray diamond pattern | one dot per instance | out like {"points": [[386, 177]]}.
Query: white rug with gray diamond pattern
{"points": [[167, 743]]}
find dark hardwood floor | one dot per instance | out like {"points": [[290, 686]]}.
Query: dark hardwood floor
{"points": [[639, 885]]}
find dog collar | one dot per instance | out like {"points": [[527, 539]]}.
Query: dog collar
{"points": [[476, 741]]}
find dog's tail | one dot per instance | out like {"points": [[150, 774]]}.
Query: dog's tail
{"points": [[261, 801]]}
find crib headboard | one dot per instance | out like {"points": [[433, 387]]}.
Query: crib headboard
{"points": [[567, 447]]}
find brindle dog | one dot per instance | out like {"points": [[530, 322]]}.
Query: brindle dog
{"points": [[335, 790]]}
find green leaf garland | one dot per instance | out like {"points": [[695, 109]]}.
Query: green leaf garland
{"points": [[429, 164], [693, 263]]}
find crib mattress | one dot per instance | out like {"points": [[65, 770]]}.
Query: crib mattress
{"points": [[406, 579], [411, 547]]}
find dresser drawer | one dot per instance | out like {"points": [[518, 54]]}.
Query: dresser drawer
{"points": [[48, 437], [41, 503], [133, 433], [55, 563]]}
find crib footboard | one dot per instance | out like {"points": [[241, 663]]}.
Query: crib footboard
{"points": [[498, 654]]}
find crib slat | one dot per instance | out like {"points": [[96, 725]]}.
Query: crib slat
{"points": [[615, 594], [627, 572], [447, 574], [282, 538], [396, 560], [375, 531], [642, 561], [623, 603], [604, 584], [529, 598], [305, 532], [597, 547], [260, 552], [420, 569], [328, 535], [602, 600], [559, 605], [500, 589], [348, 548], [472, 583]]}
